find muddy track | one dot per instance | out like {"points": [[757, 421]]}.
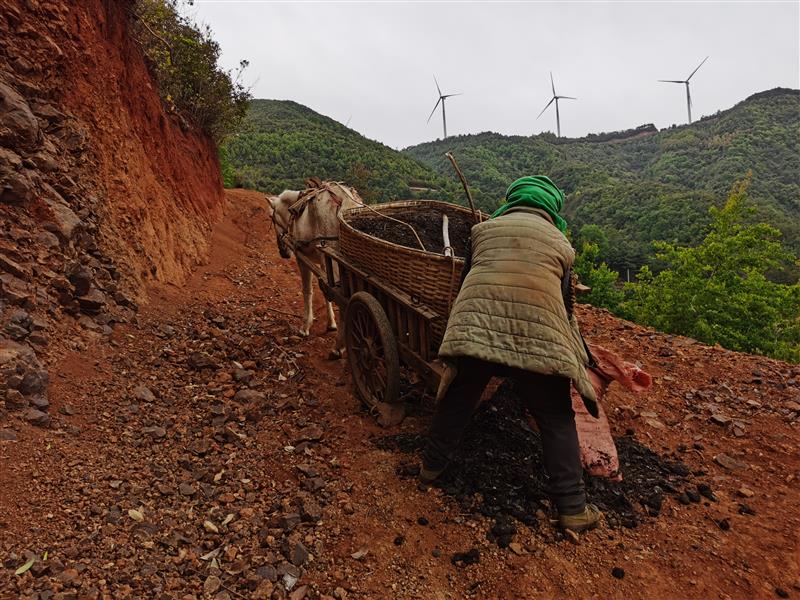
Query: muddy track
{"points": [[208, 451]]}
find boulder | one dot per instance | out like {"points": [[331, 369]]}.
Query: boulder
{"points": [[64, 223], [18, 125], [14, 290], [92, 302]]}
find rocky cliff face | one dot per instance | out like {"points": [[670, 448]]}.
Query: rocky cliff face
{"points": [[101, 189]]}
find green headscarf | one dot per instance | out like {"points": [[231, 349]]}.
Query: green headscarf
{"points": [[535, 191]]}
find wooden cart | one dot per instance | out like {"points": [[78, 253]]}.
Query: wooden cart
{"points": [[383, 327], [395, 301]]}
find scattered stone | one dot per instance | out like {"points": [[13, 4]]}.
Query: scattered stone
{"points": [[310, 511], [359, 554], [436, 553], [463, 559], [399, 540], [40, 402], [186, 489], [745, 509], [211, 584], [720, 419], [136, 515], [683, 498], [516, 548], [8, 435], [36, 417], [422, 521], [312, 433], [93, 302], [618, 572], [157, 432], [143, 394], [290, 521], [13, 267], [782, 593], [705, 491], [15, 400], [745, 492], [201, 360], [267, 572], [729, 462], [792, 405], [246, 396], [64, 223], [299, 555], [210, 527]]}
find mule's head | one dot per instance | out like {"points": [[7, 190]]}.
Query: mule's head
{"points": [[279, 206]]}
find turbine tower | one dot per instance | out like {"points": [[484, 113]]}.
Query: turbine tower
{"points": [[686, 82], [555, 99], [442, 98]]}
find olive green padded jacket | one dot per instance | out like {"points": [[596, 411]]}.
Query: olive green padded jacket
{"points": [[510, 309]]}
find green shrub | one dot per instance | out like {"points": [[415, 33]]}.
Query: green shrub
{"points": [[183, 58], [718, 292]]}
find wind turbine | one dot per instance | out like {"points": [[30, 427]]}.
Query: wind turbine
{"points": [[555, 99], [442, 98], [686, 82]]}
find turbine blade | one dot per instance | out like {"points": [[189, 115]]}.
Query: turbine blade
{"points": [[698, 66], [670, 81], [438, 89], [552, 85], [566, 97], [450, 95], [553, 99], [435, 106]]}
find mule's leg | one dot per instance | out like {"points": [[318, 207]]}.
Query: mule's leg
{"points": [[338, 350], [331, 317], [306, 276]]}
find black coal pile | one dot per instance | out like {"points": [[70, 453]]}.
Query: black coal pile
{"points": [[498, 471], [427, 223]]}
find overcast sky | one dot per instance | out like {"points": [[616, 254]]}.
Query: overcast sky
{"points": [[374, 63]]}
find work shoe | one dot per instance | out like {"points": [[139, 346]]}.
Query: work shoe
{"points": [[583, 521], [428, 476]]}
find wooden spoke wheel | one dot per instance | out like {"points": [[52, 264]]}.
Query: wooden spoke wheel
{"points": [[372, 351]]}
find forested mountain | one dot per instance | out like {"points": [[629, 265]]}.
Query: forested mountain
{"points": [[643, 185], [282, 143]]}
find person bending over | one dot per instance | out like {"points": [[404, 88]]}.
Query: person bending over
{"points": [[512, 318]]}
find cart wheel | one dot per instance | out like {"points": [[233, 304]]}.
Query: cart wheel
{"points": [[372, 351]]}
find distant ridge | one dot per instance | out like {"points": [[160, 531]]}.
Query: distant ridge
{"points": [[643, 184]]}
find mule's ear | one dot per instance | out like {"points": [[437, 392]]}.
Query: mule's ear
{"points": [[273, 201]]}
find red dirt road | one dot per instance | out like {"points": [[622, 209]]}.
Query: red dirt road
{"points": [[200, 450]]}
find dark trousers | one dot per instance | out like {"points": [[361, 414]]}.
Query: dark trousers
{"points": [[546, 397]]}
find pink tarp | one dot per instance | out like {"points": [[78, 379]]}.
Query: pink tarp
{"points": [[598, 452]]}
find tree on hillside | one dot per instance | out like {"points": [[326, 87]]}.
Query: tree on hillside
{"points": [[718, 291], [594, 273]]}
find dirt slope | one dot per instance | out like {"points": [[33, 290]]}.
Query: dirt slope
{"points": [[208, 452]]}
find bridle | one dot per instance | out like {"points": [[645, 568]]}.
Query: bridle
{"points": [[282, 233]]}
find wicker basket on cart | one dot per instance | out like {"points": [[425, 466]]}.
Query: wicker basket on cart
{"points": [[429, 277]]}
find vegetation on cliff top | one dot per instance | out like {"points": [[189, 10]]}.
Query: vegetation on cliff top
{"points": [[183, 58]]}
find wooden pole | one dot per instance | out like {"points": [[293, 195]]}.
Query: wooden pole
{"points": [[448, 251], [475, 213]]}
